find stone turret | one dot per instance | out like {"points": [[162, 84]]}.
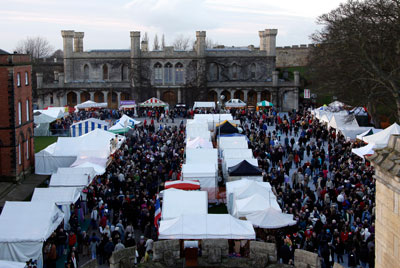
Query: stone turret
{"points": [[200, 43], [135, 44], [268, 41], [145, 46], [68, 41], [78, 41]]}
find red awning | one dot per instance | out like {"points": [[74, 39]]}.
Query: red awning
{"points": [[183, 185]]}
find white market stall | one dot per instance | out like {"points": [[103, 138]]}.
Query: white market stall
{"points": [[381, 139], [206, 226], [91, 104], [365, 150], [235, 142], [69, 180], [235, 103], [124, 122], [213, 119], [237, 153], [12, 264], [83, 127], [61, 196], [192, 133], [43, 118], [24, 226], [179, 202], [340, 122], [153, 102], [204, 104], [256, 202], [368, 132], [270, 218], [89, 171], [198, 142], [204, 155], [205, 173]]}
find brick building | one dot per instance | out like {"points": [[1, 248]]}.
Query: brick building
{"points": [[16, 119]]}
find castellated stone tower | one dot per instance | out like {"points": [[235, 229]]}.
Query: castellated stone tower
{"points": [[268, 41]]}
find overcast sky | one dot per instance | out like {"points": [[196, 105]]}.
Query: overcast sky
{"points": [[107, 23]]}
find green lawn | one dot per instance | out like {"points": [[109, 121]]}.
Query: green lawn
{"points": [[43, 142]]}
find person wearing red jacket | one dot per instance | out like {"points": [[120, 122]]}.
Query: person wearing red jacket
{"points": [[71, 240]]}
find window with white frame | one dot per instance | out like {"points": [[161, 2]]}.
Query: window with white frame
{"points": [[27, 148], [19, 113], [27, 110], [179, 73], [18, 79], [19, 154], [26, 79], [158, 77], [168, 73]]}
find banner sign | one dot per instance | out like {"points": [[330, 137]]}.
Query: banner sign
{"points": [[307, 93], [128, 102]]}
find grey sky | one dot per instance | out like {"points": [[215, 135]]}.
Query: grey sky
{"points": [[107, 23]]}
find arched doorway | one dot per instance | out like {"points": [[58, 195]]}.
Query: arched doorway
{"points": [[266, 95], [169, 97], [85, 96], [227, 95], [98, 96], [239, 95], [71, 99], [252, 98], [212, 96], [113, 100]]}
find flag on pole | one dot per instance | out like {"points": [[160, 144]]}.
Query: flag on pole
{"points": [[157, 214]]}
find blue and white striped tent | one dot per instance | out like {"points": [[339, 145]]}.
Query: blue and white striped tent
{"points": [[82, 127]]}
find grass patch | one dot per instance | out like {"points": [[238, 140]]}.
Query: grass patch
{"points": [[43, 142], [218, 209]]}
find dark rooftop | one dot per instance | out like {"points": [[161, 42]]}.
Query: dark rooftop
{"points": [[3, 52]]}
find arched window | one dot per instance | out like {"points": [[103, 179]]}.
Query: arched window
{"points": [[168, 72], [235, 71], [27, 110], [158, 73], [105, 72], [253, 71], [124, 73], [179, 73], [86, 72], [26, 79], [19, 113], [214, 72]]}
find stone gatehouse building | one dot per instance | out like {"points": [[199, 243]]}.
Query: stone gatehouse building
{"points": [[174, 76]]}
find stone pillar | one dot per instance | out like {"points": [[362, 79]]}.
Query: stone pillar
{"points": [[68, 54], [145, 46], [200, 43], [296, 78], [135, 44], [78, 41], [245, 95], [78, 97], [258, 96], [262, 40], [91, 95], [179, 95], [39, 80], [56, 101], [275, 78], [270, 41], [232, 91], [296, 99], [61, 79], [219, 94], [119, 98], [274, 98], [158, 93], [105, 95]]}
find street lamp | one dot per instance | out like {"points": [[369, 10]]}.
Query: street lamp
{"points": [[222, 97]]}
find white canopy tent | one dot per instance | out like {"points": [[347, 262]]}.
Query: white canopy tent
{"points": [[43, 118], [233, 143], [340, 122], [205, 173], [78, 171], [237, 153], [368, 132], [12, 264], [204, 155], [381, 139], [270, 218], [365, 150], [198, 143], [91, 104], [61, 196], [69, 180], [24, 226], [235, 103], [204, 104], [213, 119], [192, 133], [206, 226], [65, 151], [179, 202], [97, 164], [256, 202], [85, 126], [125, 122]]}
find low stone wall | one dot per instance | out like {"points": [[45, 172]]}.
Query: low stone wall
{"points": [[124, 258], [166, 252], [90, 264], [262, 253], [306, 259], [213, 250]]}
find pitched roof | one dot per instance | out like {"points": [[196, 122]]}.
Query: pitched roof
{"points": [[244, 168], [3, 52]]}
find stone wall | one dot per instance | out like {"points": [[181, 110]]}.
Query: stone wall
{"points": [[90, 264], [166, 252], [306, 259], [262, 253], [386, 162], [292, 56], [124, 258], [213, 250]]}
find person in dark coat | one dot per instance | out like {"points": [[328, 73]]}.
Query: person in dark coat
{"points": [[352, 258]]}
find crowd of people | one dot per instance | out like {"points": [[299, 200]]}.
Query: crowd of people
{"points": [[314, 175]]}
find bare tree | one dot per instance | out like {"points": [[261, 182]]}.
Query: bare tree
{"points": [[146, 37], [156, 45], [38, 47], [210, 43], [163, 42], [182, 42]]}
